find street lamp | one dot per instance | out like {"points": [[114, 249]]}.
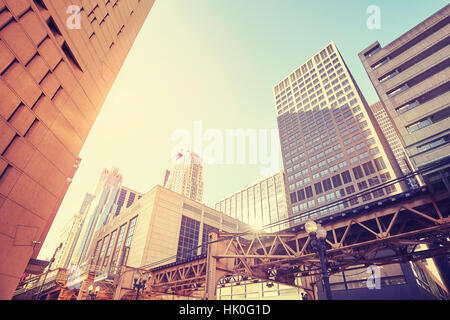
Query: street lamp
{"points": [[318, 235], [93, 293], [139, 284]]}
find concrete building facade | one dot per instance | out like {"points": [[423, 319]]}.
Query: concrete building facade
{"points": [[411, 76], [260, 204], [54, 78], [331, 144], [162, 227]]}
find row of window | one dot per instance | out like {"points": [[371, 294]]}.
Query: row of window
{"points": [[311, 129], [336, 181], [285, 99], [303, 70], [341, 193], [109, 242]]}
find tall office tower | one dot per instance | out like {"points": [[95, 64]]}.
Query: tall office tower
{"points": [[70, 234], [56, 69], [186, 175], [110, 198], [330, 141], [393, 140], [411, 76], [260, 204]]}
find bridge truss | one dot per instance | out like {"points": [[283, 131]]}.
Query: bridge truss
{"points": [[384, 232]]}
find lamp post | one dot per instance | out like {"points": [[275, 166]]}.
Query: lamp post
{"points": [[318, 235], [139, 284], [92, 294]]}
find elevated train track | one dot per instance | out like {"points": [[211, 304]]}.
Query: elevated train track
{"points": [[384, 233], [391, 230]]}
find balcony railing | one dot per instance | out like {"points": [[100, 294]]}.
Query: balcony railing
{"points": [[50, 277]]}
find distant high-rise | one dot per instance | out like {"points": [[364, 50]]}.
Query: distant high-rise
{"points": [[58, 62], [329, 138], [186, 175], [390, 133], [70, 234], [411, 76], [260, 204], [110, 198]]}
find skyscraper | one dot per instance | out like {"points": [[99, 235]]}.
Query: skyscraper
{"points": [[110, 198], [70, 234], [330, 140], [260, 204], [411, 76], [186, 175], [56, 69]]}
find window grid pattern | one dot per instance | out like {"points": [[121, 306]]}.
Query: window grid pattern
{"points": [[324, 135], [188, 238]]}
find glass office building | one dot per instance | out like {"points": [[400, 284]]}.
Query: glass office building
{"points": [[260, 204], [331, 144]]}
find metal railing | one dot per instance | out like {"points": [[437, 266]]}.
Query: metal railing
{"points": [[52, 276]]}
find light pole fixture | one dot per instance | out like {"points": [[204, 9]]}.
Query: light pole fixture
{"points": [[92, 294], [139, 283], [318, 234]]}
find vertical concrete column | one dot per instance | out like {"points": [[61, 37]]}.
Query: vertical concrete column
{"points": [[308, 283], [211, 284], [124, 282]]}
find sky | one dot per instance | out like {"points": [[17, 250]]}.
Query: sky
{"points": [[213, 64]]}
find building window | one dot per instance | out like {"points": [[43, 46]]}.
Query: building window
{"points": [[408, 107], [301, 195], [102, 251], [434, 144], [380, 63], [293, 195], [130, 232], [346, 177], [131, 198], [389, 76], [356, 278], [379, 164], [350, 190], [116, 252], [362, 186], [318, 188], [327, 184], [368, 168], [188, 239], [121, 200], [397, 90], [419, 125], [336, 181], [309, 192], [384, 178], [110, 246], [357, 172]]}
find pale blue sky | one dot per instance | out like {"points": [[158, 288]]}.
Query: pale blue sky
{"points": [[217, 62]]}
